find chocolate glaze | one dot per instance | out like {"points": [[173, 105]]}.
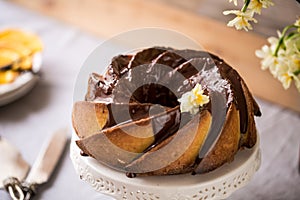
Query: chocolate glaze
{"points": [[182, 61], [159, 95], [118, 65], [121, 84], [130, 175], [146, 56], [166, 125], [239, 97], [170, 58], [165, 121], [119, 113], [229, 73], [98, 88], [83, 154], [187, 69]]}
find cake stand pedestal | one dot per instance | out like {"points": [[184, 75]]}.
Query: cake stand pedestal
{"points": [[218, 184]]}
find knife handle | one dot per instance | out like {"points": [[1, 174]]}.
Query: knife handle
{"points": [[19, 190], [14, 187], [29, 190]]}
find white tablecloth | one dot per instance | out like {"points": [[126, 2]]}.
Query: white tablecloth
{"points": [[27, 122]]}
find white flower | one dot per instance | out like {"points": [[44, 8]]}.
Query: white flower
{"points": [[297, 81], [292, 44], [255, 6], [297, 23], [283, 61], [273, 41], [241, 21], [293, 61], [186, 104], [266, 54], [266, 3], [192, 100], [200, 99], [286, 80], [281, 68], [294, 68], [234, 2], [247, 12]]}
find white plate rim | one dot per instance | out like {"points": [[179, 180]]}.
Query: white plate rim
{"points": [[16, 92]]}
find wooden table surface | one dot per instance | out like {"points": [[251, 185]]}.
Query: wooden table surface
{"points": [[271, 19]]}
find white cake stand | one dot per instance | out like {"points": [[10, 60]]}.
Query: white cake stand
{"points": [[218, 184]]}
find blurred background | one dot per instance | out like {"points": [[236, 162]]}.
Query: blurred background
{"points": [[71, 29], [274, 18]]}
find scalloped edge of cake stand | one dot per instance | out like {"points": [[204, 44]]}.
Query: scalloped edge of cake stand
{"points": [[218, 184]]}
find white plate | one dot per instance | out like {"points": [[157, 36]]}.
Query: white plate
{"points": [[218, 184], [20, 87]]}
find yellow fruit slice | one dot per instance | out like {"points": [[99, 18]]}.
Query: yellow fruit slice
{"points": [[18, 36], [8, 57], [8, 76]]}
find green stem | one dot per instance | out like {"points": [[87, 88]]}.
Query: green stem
{"points": [[280, 42], [246, 4], [297, 72], [281, 39]]}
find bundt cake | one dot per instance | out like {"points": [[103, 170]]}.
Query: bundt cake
{"points": [[163, 111]]}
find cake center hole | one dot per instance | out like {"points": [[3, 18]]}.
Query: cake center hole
{"points": [[155, 94], [156, 109]]}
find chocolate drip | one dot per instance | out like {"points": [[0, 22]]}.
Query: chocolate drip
{"points": [[256, 110], [83, 154], [184, 62], [130, 175], [118, 64], [165, 121], [97, 88], [120, 113], [165, 125], [145, 85], [146, 56], [156, 94], [170, 58], [187, 69], [100, 87], [239, 98], [164, 85]]}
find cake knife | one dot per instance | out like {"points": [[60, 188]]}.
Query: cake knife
{"points": [[11, 162], [41, 170]]}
